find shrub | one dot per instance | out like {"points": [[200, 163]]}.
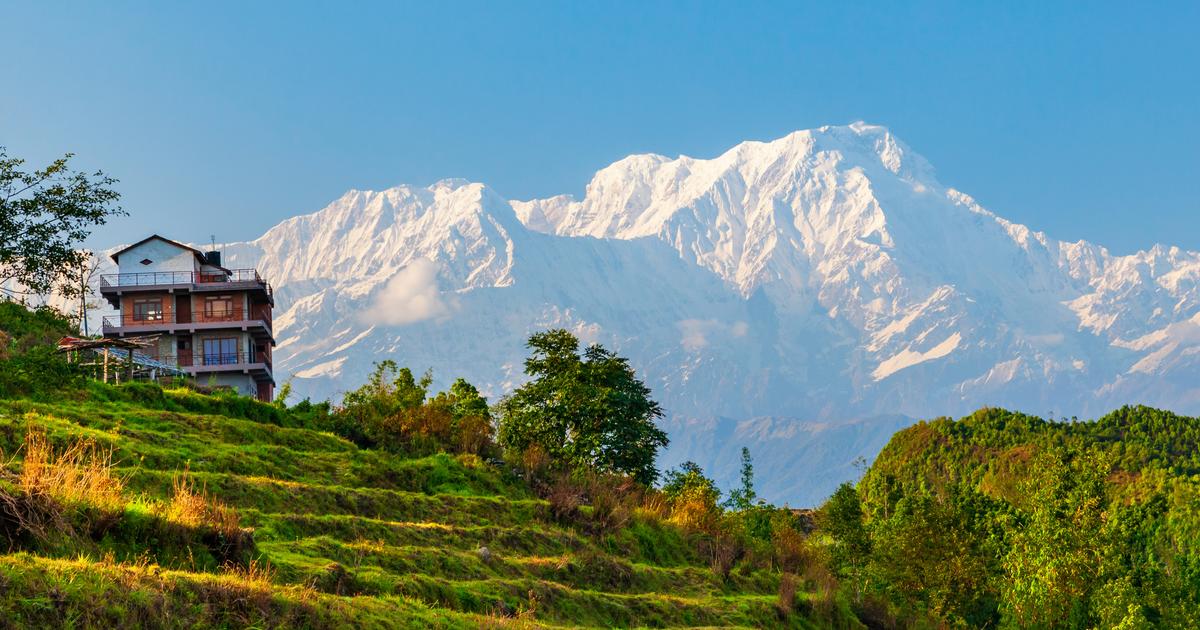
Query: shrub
{"points": [[474, 434], [789, 547], [565, 498], [693, 499], [787, 595], [37, 371], [534, 462], [391, 412]]}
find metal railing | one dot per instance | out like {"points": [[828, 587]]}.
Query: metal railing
{"points": [[159, 318], [151, 278], [215, 359]]}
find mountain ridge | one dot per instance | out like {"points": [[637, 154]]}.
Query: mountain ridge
{"points": [[823, 276]]}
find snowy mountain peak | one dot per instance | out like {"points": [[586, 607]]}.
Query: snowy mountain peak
{"points": [[822, 276]]}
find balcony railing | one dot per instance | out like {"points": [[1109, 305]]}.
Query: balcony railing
{"points": [[212, 360], [160, 318], [150, 278]]}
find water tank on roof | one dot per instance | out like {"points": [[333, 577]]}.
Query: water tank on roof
{"points": [[213, 258]]}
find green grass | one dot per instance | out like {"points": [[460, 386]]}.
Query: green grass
{"points": [[348, 537]]}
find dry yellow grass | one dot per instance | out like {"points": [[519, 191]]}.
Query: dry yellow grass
{"points": [[195, 507], [253, 573], [82, 473]]}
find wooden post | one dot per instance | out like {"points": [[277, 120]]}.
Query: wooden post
{"points": [[106, 365], [129, 365]]}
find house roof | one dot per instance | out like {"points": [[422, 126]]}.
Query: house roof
{"points": [[197, 253]]}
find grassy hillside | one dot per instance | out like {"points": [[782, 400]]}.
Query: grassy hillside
{"points": [[216, 510], [183, 507]]}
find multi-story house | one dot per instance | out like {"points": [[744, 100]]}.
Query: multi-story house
{"points": [[212, 322]]}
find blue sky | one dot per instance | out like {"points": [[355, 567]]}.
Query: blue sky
{"points": [[224, 118]]}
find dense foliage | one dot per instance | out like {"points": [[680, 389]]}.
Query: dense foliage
{"points": [[393, 411], [584, 412], [1004, 519], [44, 215], [29, 365]]}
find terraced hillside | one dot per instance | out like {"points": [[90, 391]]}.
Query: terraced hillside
{"points": [[226, 514]]}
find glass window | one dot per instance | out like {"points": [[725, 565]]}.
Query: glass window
{"points": [[147, 310], [219, 307], [220, 351]]}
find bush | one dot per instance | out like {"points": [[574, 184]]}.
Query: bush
{"points": [[36, 372], [787, 595], [28, 328], [391, 412]]}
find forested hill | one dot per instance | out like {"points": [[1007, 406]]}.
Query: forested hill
{"points": [[1007, 519], [993, 447]]}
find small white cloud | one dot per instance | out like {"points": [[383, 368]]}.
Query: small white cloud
{"points": [[411, 296], [1050, 339], [694, 337], [697, 334]]}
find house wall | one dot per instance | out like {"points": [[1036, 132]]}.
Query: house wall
{"points": [[163, 256], [166, 346], [242, 382]]}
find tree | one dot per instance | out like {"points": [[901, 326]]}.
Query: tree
{"points": [[689, 477], [80, 278], [939, 552], [1055, 560], [842, 518], [743, 498], [584, 412], [44, 216]]}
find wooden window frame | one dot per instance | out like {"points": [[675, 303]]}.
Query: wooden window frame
{"points": [[222, 356], [139, 314], [222, 314]]}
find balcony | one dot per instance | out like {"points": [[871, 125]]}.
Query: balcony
{"points": [[114, 284], [255, 320], [257, 364]]}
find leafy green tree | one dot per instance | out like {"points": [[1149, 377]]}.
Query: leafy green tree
{"points": [[939, 553], [44, 216], [689, 477], [584, 412], [467, 401], [1055, 560], [842, 518], [470, 429]]}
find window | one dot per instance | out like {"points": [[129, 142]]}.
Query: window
{"points": [[146, 261], [219, 307], [147, 310], [220, 351]]}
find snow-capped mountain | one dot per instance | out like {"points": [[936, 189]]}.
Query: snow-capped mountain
{"points": [[802, 297]]}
